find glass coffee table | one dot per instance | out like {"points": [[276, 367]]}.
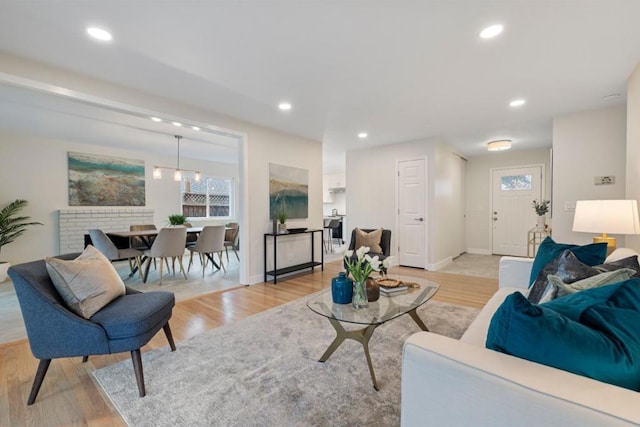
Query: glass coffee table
{"points": [[385, 309]]}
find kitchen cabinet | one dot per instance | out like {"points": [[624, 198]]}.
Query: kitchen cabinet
{"points": [[332, 183]]}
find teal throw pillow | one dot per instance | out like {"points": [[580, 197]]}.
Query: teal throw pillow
{"points": [[572, 306], [603, 345], [591, 254]]}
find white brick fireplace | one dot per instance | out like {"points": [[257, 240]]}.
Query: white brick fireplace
{"points": [[73, 224]]}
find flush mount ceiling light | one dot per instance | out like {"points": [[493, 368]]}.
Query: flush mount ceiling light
{"points": [[363, 135], [284, 106], [491, 31], [195, 128], [156, 119], [499, 145], [99, 34], [517, 103], [177, 124], [177, 172]]}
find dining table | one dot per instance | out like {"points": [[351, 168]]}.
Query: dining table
{"points": [[146, 236]]}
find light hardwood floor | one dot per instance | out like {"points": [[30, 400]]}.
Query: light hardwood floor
{"points": [[69, 396]]}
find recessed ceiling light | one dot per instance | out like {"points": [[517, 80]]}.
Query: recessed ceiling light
{"points": [[499, 145], [491, 31], [156, 119], [177, 124], [517, 103], [284, 106], [363, 135], [99, 34], [195, 128]]}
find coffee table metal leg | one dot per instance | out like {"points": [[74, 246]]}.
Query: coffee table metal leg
{"points": [[361, 335], [418, 320]]}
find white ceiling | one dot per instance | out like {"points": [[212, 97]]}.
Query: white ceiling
{"points": [[401, 70]]}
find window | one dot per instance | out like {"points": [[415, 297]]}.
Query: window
{"points": [[209, 198], [516, 182]]}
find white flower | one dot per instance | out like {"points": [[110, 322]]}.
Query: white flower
{"points": [[389, 262], [374, 262], [362, 250], [348, 254]]}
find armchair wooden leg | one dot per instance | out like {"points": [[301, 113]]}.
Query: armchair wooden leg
{"points": [[136, 358], [167, 332], [84, 359], [43, 366]]}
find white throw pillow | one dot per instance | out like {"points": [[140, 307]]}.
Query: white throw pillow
{"points": [[619, 254], [86, 283]]}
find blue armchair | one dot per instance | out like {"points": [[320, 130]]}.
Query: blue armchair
{"points": [[125, 324]]}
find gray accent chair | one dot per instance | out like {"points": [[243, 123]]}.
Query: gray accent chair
{"points": [[125, 324], [385, 244]]}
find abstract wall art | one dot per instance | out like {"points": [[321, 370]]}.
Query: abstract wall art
{"points": [[288, 191], [96, 180]]}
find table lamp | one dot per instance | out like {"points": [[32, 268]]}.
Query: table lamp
{"points": [[606, 216]]}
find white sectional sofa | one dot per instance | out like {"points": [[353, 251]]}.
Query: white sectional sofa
{"points": [[447, 382]]}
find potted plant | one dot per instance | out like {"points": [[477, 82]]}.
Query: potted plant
{"points": [[11, 227], [177, 219], [282, 218], [541, 207]]}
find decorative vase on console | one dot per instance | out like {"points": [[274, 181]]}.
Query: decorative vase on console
{"points": [[541, 208], [360, 269]]}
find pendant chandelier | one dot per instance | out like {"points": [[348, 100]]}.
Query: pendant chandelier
{"points": [[177, 174]]}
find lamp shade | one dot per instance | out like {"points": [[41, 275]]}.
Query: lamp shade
{"points": [[607, 216]]}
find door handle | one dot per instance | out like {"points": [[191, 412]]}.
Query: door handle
{"points": [[418, 219]]}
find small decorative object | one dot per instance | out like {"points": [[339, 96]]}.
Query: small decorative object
{"points": [[373, 290], [275, 225], [360, 269], [341, 289], [177, 219], [282, 227], [11, 227], [541, 208]]}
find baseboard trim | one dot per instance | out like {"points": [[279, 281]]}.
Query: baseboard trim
{"points": [[440, 264], [479, 251]]}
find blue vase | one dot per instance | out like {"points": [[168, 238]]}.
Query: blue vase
{"points": [[341, 289]]}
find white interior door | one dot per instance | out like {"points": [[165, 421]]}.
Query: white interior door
{"points": [[411, 212], [513, 191]]}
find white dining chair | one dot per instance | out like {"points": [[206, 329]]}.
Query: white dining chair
{"points": [[210, 241], [170, 243]]}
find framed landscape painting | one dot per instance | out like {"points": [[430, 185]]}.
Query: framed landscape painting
{"points": [[288, 191], [105, 181]]}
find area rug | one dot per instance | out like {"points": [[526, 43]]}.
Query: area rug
{"points": [[264, 371]]}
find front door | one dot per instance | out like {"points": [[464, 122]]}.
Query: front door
{"points": [[411, 212], [513, 191]]}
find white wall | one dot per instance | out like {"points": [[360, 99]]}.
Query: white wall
{"points": [[35, 169], [585, 145], [372, 189], [263, 145], [478, 191], [633, 145]]}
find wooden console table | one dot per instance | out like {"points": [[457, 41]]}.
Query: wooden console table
{"points": [[284, 270]]}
